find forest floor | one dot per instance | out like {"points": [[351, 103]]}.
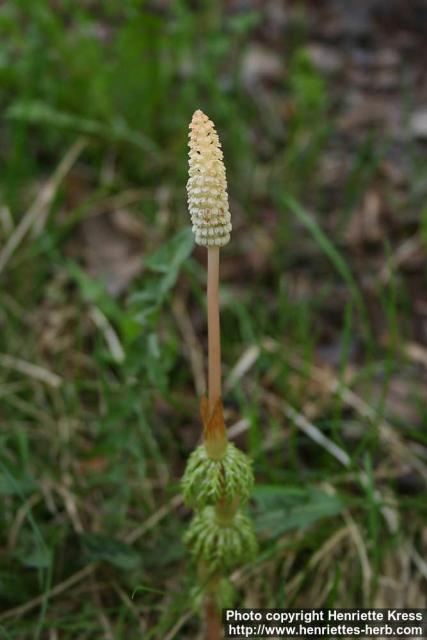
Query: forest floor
{"points": [[322, 111]]}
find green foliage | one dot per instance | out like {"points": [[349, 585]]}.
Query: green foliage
{"points": [[207, 481], [424, 226], [280, 508], [220, 536], [226, 593], [221, 546], [308, 126], [100, 547], [39, 113], [20, 485], [337, 260], [165, 263], [118, 85]]}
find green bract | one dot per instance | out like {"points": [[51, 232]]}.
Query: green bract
{"points": [[207, 481], [221, 546], [225, 591]]}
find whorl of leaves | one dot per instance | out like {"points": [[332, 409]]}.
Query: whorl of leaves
{"points": [[221, 546], [206, 481]]}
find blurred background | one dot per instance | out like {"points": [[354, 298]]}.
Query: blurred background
{"points": [[321, 108]]}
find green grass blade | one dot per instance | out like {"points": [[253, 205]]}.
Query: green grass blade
{"points": [[330, 251]]}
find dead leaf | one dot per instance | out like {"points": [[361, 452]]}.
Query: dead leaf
{"points": [[326, 59], [111, 251], [418, 124], [365, 224], [260, 64]]}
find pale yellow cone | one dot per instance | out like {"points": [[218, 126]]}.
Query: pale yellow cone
{"points": [[207, 184]]}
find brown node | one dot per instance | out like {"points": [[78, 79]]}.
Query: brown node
{"points": [[214, 431]]}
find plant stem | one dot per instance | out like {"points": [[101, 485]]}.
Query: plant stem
{"points": [[213, 629], [213, 622], [214, 340]]}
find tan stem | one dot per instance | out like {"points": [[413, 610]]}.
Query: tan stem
{"points": [[226, 511], [214, 340], [213, 630]]}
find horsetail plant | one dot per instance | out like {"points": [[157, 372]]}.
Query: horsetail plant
{"points": [[218, 478]]}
